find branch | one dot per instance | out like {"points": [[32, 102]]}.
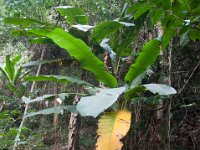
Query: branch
{"points": [[195, 68]]}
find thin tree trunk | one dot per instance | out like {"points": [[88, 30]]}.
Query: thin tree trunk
{"points": [[17, 138], [74, 128], [75, 123], [55, 103]]}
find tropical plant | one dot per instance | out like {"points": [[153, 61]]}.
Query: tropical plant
{"points": [[12, 73], [116, 37]]}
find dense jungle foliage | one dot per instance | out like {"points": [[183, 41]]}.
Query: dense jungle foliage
{"points": [[99, 74]]}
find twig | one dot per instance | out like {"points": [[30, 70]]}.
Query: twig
{"points": [[26, 107], [195, 68]]}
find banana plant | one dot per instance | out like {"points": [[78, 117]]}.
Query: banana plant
{"points": [[114, 125]]}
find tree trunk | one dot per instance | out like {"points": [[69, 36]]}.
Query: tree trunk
{"points": [[74, 128]]}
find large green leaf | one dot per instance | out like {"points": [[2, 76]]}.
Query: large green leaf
{"points": [[78, 49], [146, 58], [73, 15], [55, 78], [95, 104], [161, 89], [104, 29]]}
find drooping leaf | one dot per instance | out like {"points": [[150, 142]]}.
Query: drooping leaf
{"points": [[78, 49], [73, 15], [104, 29], [146, 58], [112, 127], [103, 99], [56, 78], [161, 89], [48, 111]]}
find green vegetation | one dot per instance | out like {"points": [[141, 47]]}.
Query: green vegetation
{"points": [[72, 60]]}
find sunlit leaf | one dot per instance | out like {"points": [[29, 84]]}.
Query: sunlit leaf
{"points": [[103, 99], [161, 89], [112, 127]]}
